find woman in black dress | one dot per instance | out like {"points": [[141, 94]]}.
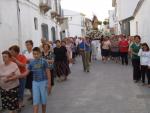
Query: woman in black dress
{"points": [[61, 61]]}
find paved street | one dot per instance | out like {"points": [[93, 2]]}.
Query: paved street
{"points": [[108, 88]]}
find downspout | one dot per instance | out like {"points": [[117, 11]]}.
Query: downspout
{"points": [[19, 25]]}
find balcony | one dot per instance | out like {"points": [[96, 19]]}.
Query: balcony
{"points": [[54, 14], [45, 5], [60, 19], [113, 3]]}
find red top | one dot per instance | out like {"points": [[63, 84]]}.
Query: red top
{"points": [[23, 60], [123, 46]]}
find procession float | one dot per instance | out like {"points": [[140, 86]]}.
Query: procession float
{"points": [[95, 33]]}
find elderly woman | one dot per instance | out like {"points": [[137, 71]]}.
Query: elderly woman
{"points": [[21, 61], [115, 48], [61, 61], [9, 88], [48, 55]]}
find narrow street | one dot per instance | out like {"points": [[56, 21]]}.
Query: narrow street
{"points": [[41, 34], [108, 88]]}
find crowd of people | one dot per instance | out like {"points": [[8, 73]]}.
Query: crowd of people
{"points": [[121, 48], [36, 68]]}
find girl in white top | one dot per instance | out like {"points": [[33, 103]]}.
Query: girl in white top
{"points": [[148, 73], [144, 54]]}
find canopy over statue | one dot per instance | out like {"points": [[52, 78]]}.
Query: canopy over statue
{"points": [[94, 33]]}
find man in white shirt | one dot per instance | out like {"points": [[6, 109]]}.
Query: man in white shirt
{"points": [[29, 55]]}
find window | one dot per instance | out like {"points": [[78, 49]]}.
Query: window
{"points": [[53, 33], [45, 34], [36, 23]]}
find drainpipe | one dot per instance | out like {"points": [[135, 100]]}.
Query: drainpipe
{"points": [[19, 25]]}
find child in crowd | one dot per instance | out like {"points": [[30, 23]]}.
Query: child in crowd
{"points": [[148, 72], [41, 85], [144, 54]]}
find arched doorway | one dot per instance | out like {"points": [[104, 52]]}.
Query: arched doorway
{"points": [[45, 33], [53, 32]]}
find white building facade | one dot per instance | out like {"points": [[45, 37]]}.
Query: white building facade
{"points": [[112, 21], [76, 24], [124, 10], [136, 13], [141, 23], [112, 18], [21, 20], [88, 24]]}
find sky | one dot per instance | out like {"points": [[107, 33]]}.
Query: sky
{"points": [[89, 7]]}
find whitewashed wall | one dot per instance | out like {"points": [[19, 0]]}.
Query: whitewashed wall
{"points": [[125, 8], [112, 20], [28, 13], [143, 26], [133, 29], [75, 21], [9, 23]]}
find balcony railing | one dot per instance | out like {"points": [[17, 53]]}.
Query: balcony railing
{"points": [[60, 19], [54, 14], [45, 5]]}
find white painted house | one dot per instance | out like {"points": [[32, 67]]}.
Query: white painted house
{"points": [[124, 10], [137, 17], [76, 23], [112, 21], [21, 20], [112, 18], [141, 22]]}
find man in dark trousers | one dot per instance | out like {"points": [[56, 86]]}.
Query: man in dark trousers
{"points": [[85, 50]]}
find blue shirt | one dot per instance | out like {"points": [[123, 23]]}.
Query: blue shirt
{"points": [[38, 68], [86, 47]]}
